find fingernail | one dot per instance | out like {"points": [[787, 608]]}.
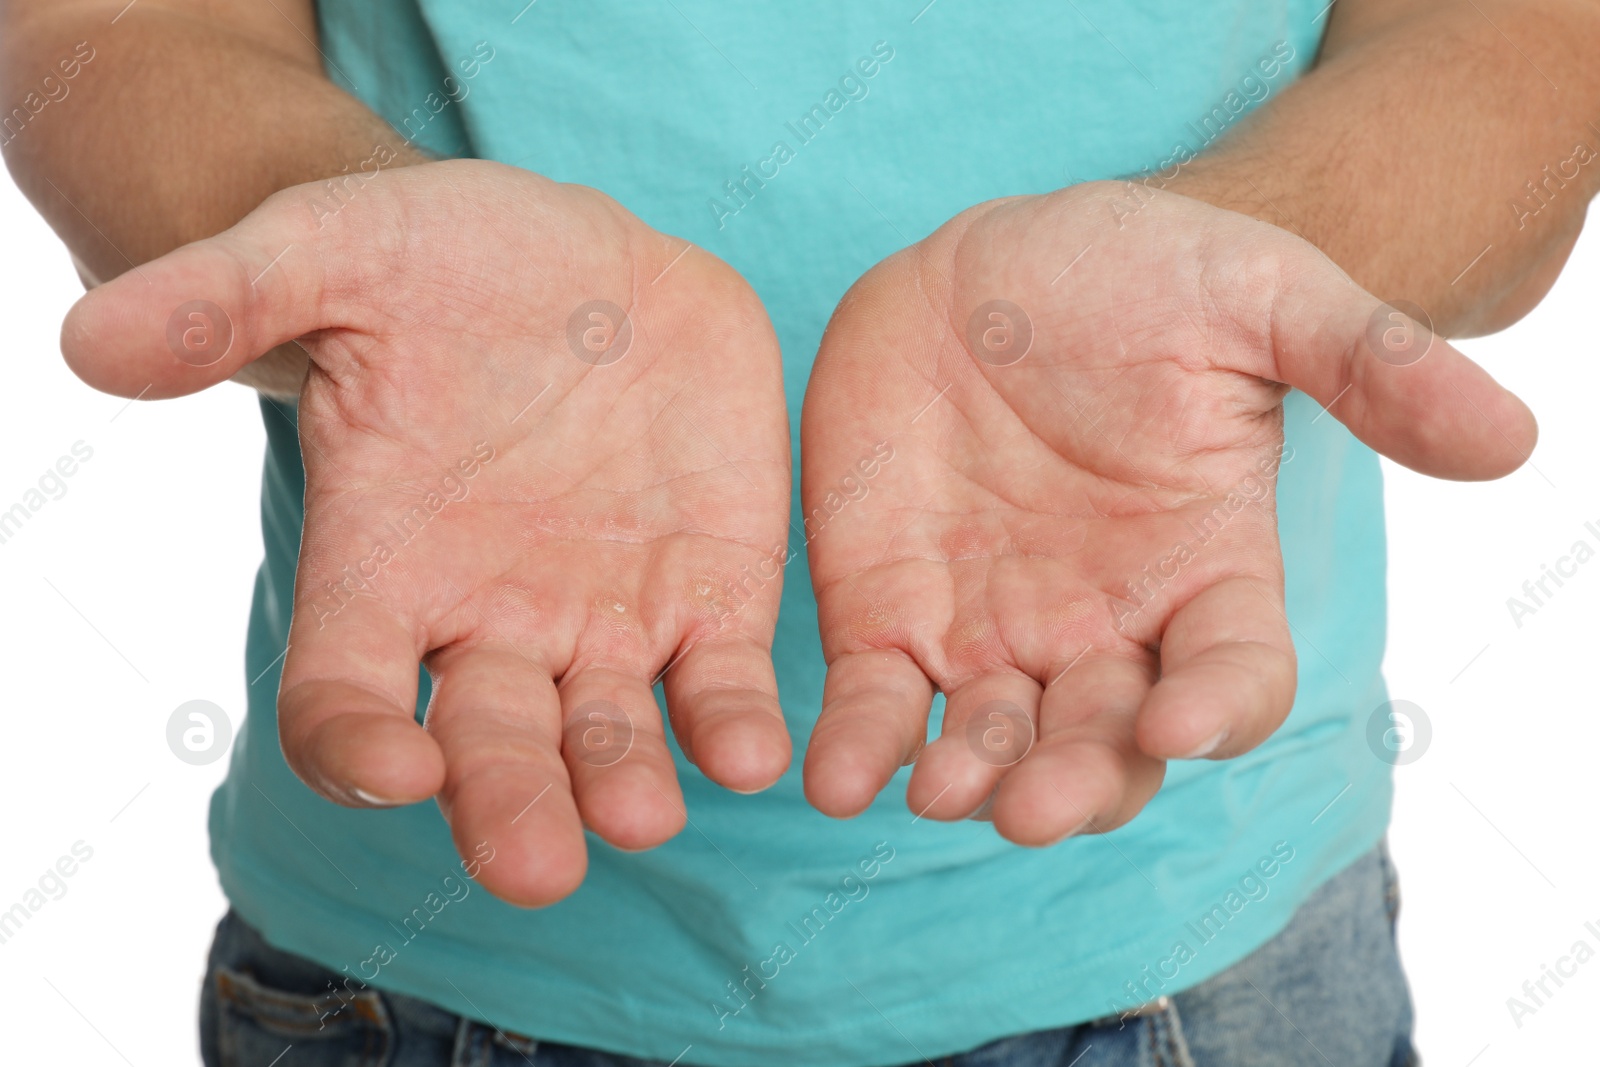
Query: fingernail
{"points": [[377, 801], [1209, 746], [1075, 831]]}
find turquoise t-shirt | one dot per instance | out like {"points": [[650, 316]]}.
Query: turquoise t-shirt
{"points": [[767, 932]]}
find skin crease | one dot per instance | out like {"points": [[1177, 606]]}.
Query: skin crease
{"points": [[1317, 160]]}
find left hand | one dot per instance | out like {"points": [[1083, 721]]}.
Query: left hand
{"points": [[1110, 426]]}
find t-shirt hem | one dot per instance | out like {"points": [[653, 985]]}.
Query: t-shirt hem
{"points": [[1031, 999]]}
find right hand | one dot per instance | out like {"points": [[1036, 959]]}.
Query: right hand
{"points": [[567, 504]]}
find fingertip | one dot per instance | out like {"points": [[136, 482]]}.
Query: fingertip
{"points": [[532, 874], [1515, 435], [722, 698], [1485, 432], [616, 756], [1184, 719], [874, 721], [1035, 832], [947, 783], [1058, 792], [1228, 673], [94, 348], [1528, 423], [856, 748], [838, 786], [1217, 706], [1211, 746], [1437, 412], [168, 328], [371, 759], [77, 335], [744, 748], [990, 726], [632, 812], [525, 815]]}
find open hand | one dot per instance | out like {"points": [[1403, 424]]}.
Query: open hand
{"points": [[543, 443], [1074, 537]]}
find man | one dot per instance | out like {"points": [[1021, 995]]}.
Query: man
{"points": [[1047, 456]]}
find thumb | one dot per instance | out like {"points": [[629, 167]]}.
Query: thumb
{"points": [[1380, 369], [193, 317]]}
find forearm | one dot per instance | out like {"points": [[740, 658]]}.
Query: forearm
{"points": [[1415, 153], [183, 119]]}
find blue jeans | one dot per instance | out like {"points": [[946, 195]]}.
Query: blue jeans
{"points": [[1326, 992]]}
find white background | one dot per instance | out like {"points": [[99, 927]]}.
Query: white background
{"points": [[128, 597]]}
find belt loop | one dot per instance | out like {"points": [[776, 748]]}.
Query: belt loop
{"points": [[472, 1044], [1167, 1045]]}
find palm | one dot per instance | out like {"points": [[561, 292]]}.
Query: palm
{"points": [[545, 501], [1075, 539]]}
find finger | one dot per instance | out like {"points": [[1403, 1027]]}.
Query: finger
{"points": [[616, 753], [1402, 390], [193, 317], [497, 717], [1086, 774], [723, 698], [874, 721], [989, 726], [346, 705], [1227, 673]]}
